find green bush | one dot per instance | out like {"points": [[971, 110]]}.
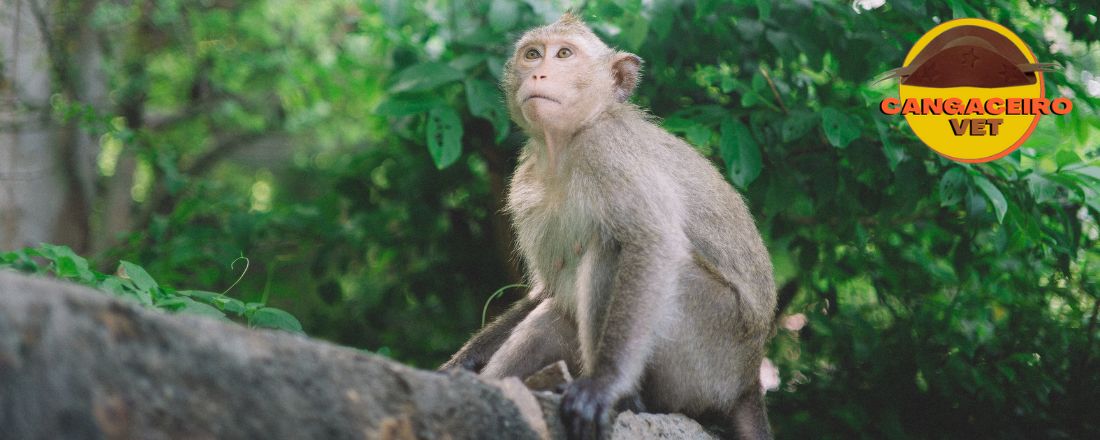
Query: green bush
{"points": [[944, 300], [133, 283]]}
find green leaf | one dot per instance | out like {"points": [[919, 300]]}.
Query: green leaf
{"points": [[201, 295], [953, 186], [1000, 205], [1094, 204], [74, 267], [230, 305], [1042, 189], [172, 304], [483, 98], [1066, 157], [399, 105], [840, 128], [269, 317], [137, 274], [424, 76], [67, 264], [629, 6], [183, 304], [479, 37], [503, 14], [126, 289], [727, 83], [196, 308], [760, 84], [634, 32], [444, 136], [222, 302], [1069, 181], [797, 124], [145, 297], [113, 285], [467, 61], [662, 21], [1091, 172], [677, 124], [764, 9], [20, 260], [496, 66], [749, 99], [960, 9], [698, 135], [252, 307], [740, 152], [704, 8], [894, 152]]}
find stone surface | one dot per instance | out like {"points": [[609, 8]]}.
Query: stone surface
{"points": [[549, 378], [75, 363], [654, 426]]}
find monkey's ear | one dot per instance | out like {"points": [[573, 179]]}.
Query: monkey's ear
{"points": [[627, 71]]}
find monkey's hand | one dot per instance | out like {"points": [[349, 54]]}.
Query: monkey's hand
{"points": [[585, 409]]}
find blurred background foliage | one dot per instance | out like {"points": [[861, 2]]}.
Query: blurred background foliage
{"points": [[357, 153]]}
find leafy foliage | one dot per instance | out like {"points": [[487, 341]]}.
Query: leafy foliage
{"points": [[359, 151], [133, 283]]}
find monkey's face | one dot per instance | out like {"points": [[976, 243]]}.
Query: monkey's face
{"points": [[560, 83], [562, 75]]}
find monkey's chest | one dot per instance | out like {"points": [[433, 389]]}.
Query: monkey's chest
{"points": [[554, 233], [553, 238]]}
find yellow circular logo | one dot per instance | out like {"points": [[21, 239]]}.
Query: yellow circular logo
{"points": [[972, 90]]}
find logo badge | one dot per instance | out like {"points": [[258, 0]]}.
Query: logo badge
{"points": [[972, 90]]}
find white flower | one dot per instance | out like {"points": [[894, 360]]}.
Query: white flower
{"points": [[867, 5], [1092, 83]]}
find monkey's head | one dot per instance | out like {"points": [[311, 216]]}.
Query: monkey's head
{"points": [[561, 76]]}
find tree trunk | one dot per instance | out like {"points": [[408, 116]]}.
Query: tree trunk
{"points": [[46, 167]]}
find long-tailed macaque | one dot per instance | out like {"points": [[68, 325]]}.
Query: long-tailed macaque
{"points": [[648, 274]]}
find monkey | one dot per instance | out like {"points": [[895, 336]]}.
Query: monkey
{"points": [[647, 272]]}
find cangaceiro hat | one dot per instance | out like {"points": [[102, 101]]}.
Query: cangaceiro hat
{"points": [[969, 56]]}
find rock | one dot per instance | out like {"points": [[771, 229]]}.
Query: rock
{"points": [[76, 363], [549, 378], [653, 426]]}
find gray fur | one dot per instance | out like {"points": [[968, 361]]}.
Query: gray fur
{"points": [[649, 261]]}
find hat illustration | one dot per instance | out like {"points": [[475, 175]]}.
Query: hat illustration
{"points": [[969, 56]]}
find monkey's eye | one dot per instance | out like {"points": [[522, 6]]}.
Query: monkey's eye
{"points": [[532, 54], [564, 52]]}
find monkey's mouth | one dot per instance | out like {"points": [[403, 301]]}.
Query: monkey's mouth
{"points": [[537, 96]]}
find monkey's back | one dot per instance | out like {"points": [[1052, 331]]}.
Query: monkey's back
{"points": [[727, 293], [721, 231]]}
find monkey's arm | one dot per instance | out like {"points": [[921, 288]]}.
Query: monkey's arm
{"points": [[640, 303], [644, 220], [476, 352]]}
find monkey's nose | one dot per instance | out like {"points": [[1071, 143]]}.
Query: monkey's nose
{"points": [[538, 76]]}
